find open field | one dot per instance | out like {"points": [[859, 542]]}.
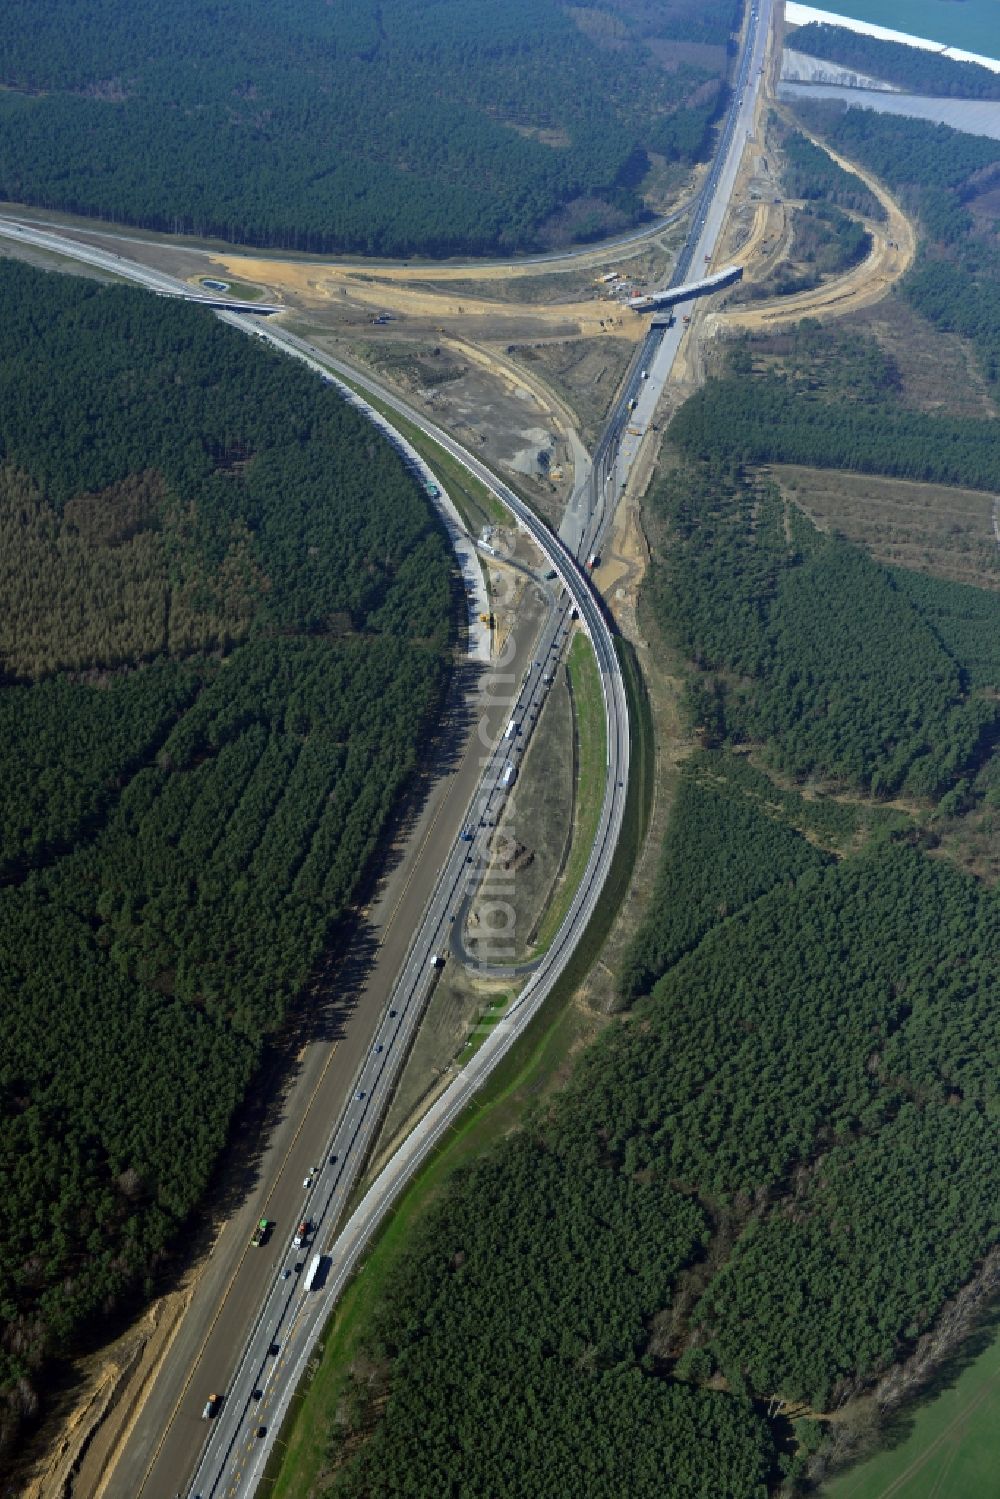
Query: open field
{"points": [[585, 372], [590, 731], [507, 416], [939, 371], [949, 1447], [927, 527]]}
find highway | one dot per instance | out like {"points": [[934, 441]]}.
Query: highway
{"points": [[292, 1316], [289, 1316], [237, 1450], [280, 1333], [594, 499]]}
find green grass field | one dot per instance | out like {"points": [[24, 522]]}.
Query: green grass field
{"points": [[974, 25], [952, 1449], [591, 741]]}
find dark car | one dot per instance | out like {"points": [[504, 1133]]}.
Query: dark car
{"points": [[274, 1348], [257, 1394], [261, 1431]]}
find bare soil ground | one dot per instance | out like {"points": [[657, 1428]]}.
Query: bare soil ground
{"points": [[112, 1383], [623, 565], [366, 293], [505, 415], [643, 266], [586, 372], [459, 1001], [893, 250], [940, 372], [927, 527]]}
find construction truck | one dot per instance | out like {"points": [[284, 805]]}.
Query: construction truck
{"points": [[261, 1232], [301, 1234]]}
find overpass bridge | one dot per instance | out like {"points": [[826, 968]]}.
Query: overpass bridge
{"points": [[671, 295]]}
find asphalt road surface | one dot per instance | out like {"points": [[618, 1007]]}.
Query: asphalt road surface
{"points": [[295, 1311], [594, 498], [263, 1322]]}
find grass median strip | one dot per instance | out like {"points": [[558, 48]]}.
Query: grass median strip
{"points": [[590, 729], [539, 1060], [477, 505]]}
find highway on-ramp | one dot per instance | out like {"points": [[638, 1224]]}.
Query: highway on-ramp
{"points": [[286, 1322], [293, 1314], [289, 1315]]}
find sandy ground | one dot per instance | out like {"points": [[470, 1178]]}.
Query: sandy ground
{"points": [[624, 563], [314, 286], [894, 246], [114, 1385]]}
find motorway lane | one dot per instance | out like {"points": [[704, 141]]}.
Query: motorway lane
{"points": [[289, 1316], [293, 1320], [592, 503], [234, 1456], [169, 1433], [169, 1464], [236, 1453], [239, 1479]]}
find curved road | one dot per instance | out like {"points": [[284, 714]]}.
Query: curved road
{"points": [[290, 1316], [293, 1316], [295, 1307]]}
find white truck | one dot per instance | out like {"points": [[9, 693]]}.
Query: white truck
{"points": [[314, 1273], [509, 777]]}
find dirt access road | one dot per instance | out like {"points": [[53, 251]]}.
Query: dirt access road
{"points": [[894, 246]]}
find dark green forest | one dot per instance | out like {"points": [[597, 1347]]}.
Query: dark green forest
{"points": [[204, 728], [966, 620], [831, 400], [763, 1183], [912, 68], [801, 1096], [797, 1099], [389, 128], [807, 645], [734, 835], [811, 174]]}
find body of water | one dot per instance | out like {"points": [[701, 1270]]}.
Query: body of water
{"points": [[973, 25]]}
